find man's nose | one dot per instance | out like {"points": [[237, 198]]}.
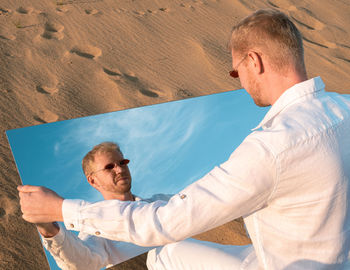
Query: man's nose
{"points": [[117, 168]]}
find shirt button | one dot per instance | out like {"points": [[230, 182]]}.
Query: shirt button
{"points": [[97, 233], [182, 196], [71, 225]]}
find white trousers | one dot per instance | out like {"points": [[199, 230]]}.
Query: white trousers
{"points": [[192, 254]]}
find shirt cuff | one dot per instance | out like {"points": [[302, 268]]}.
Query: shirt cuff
{"points": [[55, 241], [71, 213]]}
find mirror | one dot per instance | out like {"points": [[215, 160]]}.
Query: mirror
{"points": [[170, 145]]}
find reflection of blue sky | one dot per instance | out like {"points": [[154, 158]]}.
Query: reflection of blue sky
{"points": [[170, 145]]}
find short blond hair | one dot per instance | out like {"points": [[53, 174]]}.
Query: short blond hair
{"points": [[104, 147], [274, 34]]}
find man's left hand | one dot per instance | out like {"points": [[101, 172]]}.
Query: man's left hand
{"points": [[40, 204]]}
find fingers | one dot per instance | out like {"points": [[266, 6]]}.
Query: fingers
{"points": [[29, 188]]}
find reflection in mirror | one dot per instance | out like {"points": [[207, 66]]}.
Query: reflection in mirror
{"points": [[169, 146]]}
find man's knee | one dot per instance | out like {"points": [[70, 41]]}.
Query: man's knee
{"points": [[191, 254], [161, 257]]}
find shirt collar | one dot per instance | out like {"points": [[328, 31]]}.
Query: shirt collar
{"points": [[290, 95]]}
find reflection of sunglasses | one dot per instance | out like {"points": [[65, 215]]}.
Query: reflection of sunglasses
{"points": [[234, 72], [111, 166]]}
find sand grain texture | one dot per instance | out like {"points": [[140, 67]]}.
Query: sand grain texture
{"points": [[62, 59]]}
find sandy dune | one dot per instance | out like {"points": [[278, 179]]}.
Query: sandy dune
{"points": [[66, 59]]}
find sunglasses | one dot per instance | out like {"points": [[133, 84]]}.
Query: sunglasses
{"points": [[111, 166], [234, 72]]}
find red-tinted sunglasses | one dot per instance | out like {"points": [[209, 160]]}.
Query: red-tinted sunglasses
{"points": [[234, 73], [111, 166]]}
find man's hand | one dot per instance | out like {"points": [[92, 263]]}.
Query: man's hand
{"points": [[40, 204]]}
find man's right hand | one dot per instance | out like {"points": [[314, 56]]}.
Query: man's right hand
{"points": [[40, 204], [48, 229]]}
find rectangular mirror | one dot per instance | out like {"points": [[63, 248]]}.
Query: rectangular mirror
{"points": [[169, 145]]}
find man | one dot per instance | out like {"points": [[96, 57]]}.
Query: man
{"points": [[107, 171], [289, 178]]}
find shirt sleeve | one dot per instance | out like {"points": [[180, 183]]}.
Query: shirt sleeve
{"points": [[159, 197], [71, 252], [238, 187], [88, 252]]}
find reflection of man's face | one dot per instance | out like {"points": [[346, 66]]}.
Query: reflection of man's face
{"points": [[116, 180]]}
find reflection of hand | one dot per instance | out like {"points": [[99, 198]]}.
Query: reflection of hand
{"points": [[40, 204], [48, 229]]}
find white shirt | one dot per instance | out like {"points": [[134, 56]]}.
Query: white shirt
{"points": [[91, 252], [289, 179]]}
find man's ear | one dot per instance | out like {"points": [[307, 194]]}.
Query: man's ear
{"points": [[256, 62], [91, 180]]}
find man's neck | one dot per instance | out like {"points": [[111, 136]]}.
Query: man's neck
{"points": [[284, 83], [121, 197]]}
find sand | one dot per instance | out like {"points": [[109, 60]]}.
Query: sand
{"points": [[62, 59]]}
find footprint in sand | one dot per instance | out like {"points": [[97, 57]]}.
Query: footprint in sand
{"points": [[121, 10], [92, 11], [140, 13], [149, 92], [111, 72], [192, 8], [7, 207], [131, 78], [148, 11], [5, 11], [164, 9], [62, 9], [46, 116], [133, 81], [53, 31], [25, 10], [49, 90], [183, 93], [87, 51]]}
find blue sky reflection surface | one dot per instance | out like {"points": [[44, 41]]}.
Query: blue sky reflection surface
{"points": [[170, 145]]}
